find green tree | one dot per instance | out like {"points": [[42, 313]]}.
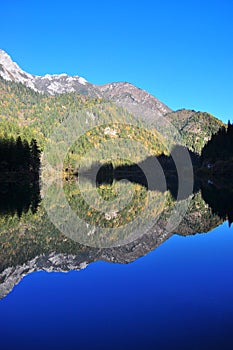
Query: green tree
{"points": [[35, 156]]}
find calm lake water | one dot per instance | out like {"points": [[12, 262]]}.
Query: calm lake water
{"points": [[179, 296], [171, 291]]}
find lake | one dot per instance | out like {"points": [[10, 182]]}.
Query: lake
{"points": [[157, 291]]}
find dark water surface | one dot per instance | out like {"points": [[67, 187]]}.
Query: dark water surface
{"points": [[161, 289], [179, 296]]}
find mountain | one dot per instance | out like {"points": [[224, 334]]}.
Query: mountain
{"points": [[62, 83], [194, 128], [32, 243], [51, 84]]}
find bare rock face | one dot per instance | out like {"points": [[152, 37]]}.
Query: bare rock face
{"points": [[121, 93], [126, 93]]}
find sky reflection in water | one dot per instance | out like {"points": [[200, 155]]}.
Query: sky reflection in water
{"points": [[180, 296]]}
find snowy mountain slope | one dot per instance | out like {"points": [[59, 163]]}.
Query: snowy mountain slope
{"points": [[122, 93]]}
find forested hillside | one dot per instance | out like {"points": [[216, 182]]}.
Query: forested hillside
{"points": [[33, 115], [196, 128]]}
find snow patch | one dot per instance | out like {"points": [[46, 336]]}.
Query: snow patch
{"points": [[47, 76], [82, 81], [58, 83]]}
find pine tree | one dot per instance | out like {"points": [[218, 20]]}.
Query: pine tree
{"points": [[19, 153], [35, 156]]}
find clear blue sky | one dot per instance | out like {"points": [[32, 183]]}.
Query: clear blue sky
{"points": [[180, 51]]}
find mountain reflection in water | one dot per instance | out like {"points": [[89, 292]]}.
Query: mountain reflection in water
{"points": [[30, 242]]}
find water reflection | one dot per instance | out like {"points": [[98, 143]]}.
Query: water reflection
{"points": [[19, 197], [154, 173], [220, 200], [30, 242], [217, 193]]}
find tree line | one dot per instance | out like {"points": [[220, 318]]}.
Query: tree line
{"points": [[220, 147], [17, 155]]}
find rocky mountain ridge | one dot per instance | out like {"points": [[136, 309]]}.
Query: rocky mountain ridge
{"points": [[120, 93], [187, 127]]}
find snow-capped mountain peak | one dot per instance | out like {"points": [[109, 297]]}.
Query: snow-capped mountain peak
{"points": [[7, 63], [50, 83], [10, 71], [122, 93]]}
